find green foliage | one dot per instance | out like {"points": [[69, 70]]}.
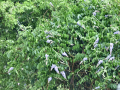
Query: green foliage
{"points": [[32, 29]]}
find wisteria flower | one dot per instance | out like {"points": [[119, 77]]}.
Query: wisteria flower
{"points": [[101, 61], [11, 68], [84, 59], [106, 15], [112, 58], [51, 4], [55, 68], [116, 67], [117, 32], [48, 36], [49, 41], [18, 84], [94, 13], [46, 56], [108, 57], [64, 54], [97, 40], [97, 87], [95, 45], [78, 23], [49, 79], [111, 47], [63, 74]]}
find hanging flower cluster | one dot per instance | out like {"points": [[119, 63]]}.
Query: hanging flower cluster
{"points": [[111, 47], [95, 43], [84, 59], [108, 57], [49, 79], [64, 54], [11, 68], [101, 61], [112, 58], [49, 41], [117, 32], [56, 68]]}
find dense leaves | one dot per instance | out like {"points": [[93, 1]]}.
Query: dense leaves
{"points": [[59, 44]]}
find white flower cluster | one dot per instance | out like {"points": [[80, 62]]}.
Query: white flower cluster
{"points": [[99, 62], [111, 47], [51, 4], [64, 54], [97, 87], [82, 26], [117, 67], [49, 41], [117, 32], [109, 57], [56, 68], [84, 59], [46, 56], [11, 68], [95, 43], [49, 79], [47, 32], [94, 13]]}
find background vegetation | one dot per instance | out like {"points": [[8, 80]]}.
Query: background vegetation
{"points": [[79, 39]]}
